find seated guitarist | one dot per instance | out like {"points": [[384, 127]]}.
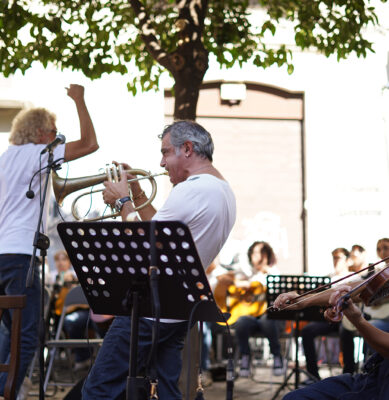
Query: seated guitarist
{"points": [[262, 260]]}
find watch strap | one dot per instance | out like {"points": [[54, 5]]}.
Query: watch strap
{"points": [[125, 199], [120, 202]]}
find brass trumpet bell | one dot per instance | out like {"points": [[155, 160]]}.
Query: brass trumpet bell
{"points": [[62, 187]]}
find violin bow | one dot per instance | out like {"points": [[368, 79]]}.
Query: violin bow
{"points": [[327, 285]]}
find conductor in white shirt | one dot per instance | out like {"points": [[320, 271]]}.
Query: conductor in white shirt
{"points": [[32, 129]]}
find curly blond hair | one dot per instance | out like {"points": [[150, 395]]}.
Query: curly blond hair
{"points": [[27, 124]]}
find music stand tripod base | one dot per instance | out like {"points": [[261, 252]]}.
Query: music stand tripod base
{"points": [[277, 284]]}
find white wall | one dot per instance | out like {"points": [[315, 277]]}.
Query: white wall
{"points": [[347, 131]]}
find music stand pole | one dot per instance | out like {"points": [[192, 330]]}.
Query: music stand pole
{"points": [[132, 387], [296, 370]]}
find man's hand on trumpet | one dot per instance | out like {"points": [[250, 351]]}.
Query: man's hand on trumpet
{"points": [[135, 186], [115, 190], [119, 190]]}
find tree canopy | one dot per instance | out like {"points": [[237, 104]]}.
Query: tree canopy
{"points": [[104, 36]]}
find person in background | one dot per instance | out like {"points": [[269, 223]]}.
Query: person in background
{"points": [[262, 260], [76, 319], [341, 262], [32, 130], [358, 258], [373, 382], [377, 315]]}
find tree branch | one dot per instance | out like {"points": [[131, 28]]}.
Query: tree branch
{"points": [[147, 32]]}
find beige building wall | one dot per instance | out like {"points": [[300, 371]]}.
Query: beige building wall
{"points": [[258, 148]]}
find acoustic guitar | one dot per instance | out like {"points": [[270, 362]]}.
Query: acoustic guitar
{"points": [[241, 301]]}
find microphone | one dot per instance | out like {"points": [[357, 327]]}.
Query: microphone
{"points": [[59, 139]]}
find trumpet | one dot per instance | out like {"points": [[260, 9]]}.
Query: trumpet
{"points": [[63, 187]]}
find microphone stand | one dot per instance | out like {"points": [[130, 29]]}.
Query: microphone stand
{"points": [[41, 242]]}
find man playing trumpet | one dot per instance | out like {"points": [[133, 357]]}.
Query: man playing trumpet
{"points": [[203, 200]]}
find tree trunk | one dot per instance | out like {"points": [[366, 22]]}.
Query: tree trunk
{"points": [[188, 66], [186, 96]]}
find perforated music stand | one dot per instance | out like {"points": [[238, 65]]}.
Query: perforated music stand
{"points": [[277, 284], [112, 260]]}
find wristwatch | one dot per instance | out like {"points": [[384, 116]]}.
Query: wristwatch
{"points": [[120, 202]]}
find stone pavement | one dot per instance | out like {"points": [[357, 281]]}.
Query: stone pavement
{"points": [[262, 386]]}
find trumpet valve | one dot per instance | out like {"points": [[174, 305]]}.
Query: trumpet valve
{"points": [[112, 172], [108, 171]]}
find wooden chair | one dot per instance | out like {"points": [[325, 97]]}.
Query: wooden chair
{"points": [[15, 303]]}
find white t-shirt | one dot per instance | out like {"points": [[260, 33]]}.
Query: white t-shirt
{"points": [[18, 214], [206, 204]]}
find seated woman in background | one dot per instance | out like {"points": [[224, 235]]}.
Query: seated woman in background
{"points": [[76, 319], [248, 305]]}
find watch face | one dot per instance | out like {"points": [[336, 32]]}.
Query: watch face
{"points": [[118, 204]]}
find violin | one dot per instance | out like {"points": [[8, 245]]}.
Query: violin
{"points": [[370, 292]]}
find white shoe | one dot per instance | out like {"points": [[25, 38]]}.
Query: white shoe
{"points": [[78, 366], [244, 371], [279, 366]]}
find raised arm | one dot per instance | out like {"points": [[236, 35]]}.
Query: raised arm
{"points": [[87, 143]]}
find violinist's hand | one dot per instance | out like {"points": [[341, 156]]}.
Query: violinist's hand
{"points": [[286, 299], [350, 310]]}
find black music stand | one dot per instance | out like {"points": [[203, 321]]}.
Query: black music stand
{"points": [[277, 284], [112, 261]]}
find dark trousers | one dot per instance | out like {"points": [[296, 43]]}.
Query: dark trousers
{"points": [[372, 386], [308, 334], [347, 346], [247, 326], [13, 275], [107, 379]]}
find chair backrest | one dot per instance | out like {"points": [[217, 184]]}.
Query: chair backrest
{"points": [[16, 304], [74, 297], [47, 299]]}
